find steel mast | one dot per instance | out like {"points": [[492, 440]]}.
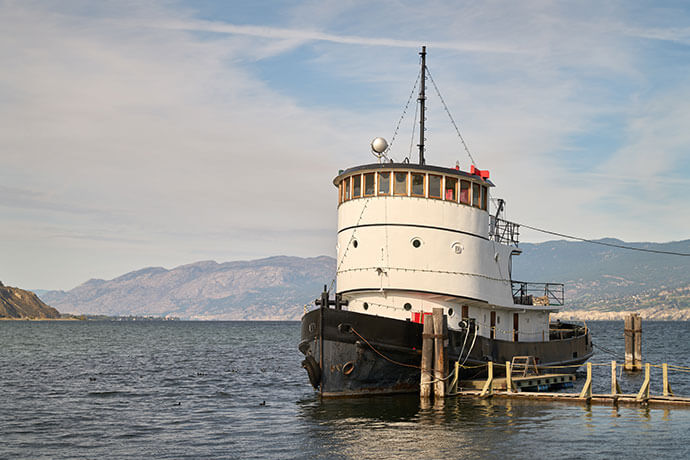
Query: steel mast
{"points": [[422, 106]]}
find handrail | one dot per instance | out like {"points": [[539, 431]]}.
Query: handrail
{"points": [[531, 293], [504, 232]]}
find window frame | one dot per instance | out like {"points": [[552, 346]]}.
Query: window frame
{"points": [[485, 197], [364, 188], [476, 191], [455, 188], [378, 183], [407, 178], [358, 176], [440, 186], [469, 192], [412, 174], [347, 192]]}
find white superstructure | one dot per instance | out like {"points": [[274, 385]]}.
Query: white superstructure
{"points": [[414, 237]]}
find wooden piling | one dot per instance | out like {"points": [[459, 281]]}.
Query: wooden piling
{"points": [[633, 342], [440, 335], [629, 343], [667, 387], [637, 339], [453, 388], [488, 389], [427, 358], [615, 386], [586, 392], [509, 377], [643, 394]]}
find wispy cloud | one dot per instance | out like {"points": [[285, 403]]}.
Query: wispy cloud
{"points": [[300, 36], [675, 34], [144, 135]]}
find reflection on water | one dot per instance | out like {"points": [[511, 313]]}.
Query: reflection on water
{"points": [[402, 427]]}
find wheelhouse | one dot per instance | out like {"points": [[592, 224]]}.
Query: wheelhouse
{"points": [[415, 181]]}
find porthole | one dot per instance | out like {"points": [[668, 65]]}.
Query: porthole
{"points": [[450, 312], [355, 243], [407, 306], [416, 242], [348, 367], [457, 247], [366, 306]]}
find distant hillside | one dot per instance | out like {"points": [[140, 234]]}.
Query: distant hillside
{"points": [[597, 279], [18, 303], [600, 278], [272, 288]]}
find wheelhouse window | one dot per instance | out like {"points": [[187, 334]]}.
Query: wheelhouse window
{"points": [[400, 183], [356, 186], [369, 184], [464, 192], [384, 183], [412, 183], [346, 189], [418, 184], [435, 186], [451, 189], [475, 195]]}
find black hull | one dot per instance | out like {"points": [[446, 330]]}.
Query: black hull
{"points": [[365, 355]]}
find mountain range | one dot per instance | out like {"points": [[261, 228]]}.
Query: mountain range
{"points": [[265, 289], [601, 282], [18, 303]]}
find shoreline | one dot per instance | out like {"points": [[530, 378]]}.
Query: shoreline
{"points": [[646, 315], [39, 319]]}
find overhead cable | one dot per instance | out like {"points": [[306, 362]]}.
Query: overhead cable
{"points": [[602, 243]]}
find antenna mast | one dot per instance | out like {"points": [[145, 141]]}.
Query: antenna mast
{"points": [[422, 101]]}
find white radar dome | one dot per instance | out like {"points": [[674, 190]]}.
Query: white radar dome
{"points": [[379, 145]]}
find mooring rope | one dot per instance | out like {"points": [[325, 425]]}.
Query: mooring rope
{"points": [[606, 350], [381, 354], [398, 362]]}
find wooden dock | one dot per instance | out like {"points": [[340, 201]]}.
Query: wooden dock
{"points": [[524, 383], [512, 387], [523, 375], [598, 399]]}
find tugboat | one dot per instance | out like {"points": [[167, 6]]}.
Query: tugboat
{"points": [[411, 238]]}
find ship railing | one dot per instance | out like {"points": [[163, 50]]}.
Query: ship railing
{"points": [[503, 231], [529, 293]]}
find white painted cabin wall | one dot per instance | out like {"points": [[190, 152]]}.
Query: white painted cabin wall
{"points": [[433, 267], [386, 271]]}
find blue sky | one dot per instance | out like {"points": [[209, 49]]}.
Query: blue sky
{"points": [[160, 133]]}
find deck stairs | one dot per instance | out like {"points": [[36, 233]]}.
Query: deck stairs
{"points": [[523, 366]]}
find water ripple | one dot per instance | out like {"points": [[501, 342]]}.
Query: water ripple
{"points": [[237, 390]]}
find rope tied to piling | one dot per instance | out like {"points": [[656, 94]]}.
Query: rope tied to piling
{"points": [[354, 331]]}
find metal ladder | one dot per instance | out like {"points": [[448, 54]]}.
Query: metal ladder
{"points": [[520, 366]]}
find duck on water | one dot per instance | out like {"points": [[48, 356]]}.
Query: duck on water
{"points": [[411, 238]]}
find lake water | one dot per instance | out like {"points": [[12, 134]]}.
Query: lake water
{"points": [[197, 390]]}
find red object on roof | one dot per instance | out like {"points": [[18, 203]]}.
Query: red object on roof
{"points": [[484, 174]]}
